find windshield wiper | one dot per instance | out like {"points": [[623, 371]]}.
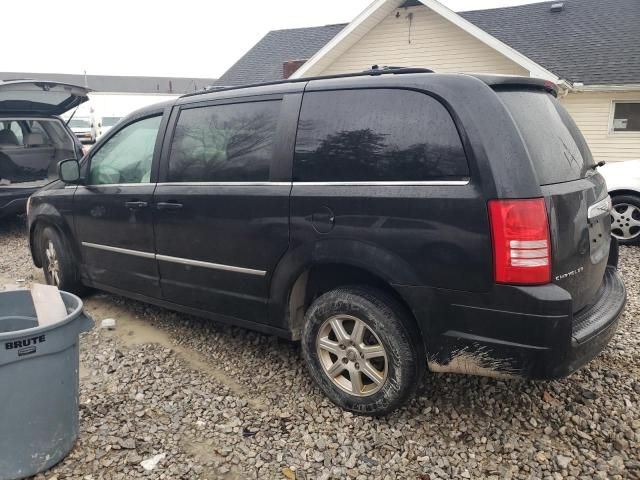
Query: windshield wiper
{"points": [[601, 163]]}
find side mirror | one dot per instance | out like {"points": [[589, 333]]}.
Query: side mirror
{"points": [[69, 170]]}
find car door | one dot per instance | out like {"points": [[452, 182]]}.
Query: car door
{"points": [[113, 219], [222, 209]]}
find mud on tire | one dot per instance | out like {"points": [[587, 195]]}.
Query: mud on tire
{"points": [[58, 262], [385, 323]]}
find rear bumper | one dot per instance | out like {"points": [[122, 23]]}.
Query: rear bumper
{"points": [[13, 201], [592, 328], [513, 331]]}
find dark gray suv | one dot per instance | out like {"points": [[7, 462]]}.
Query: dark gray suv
{"points": [[33, 139]]}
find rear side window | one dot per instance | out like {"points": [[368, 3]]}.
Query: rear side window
{"points": [[224, 143], [557, 148], [376, 135]]}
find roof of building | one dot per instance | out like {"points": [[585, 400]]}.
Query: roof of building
{"points": [[120, 84], [263, 63], [589, 41]]}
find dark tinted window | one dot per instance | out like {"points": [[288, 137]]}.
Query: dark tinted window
{"points": [[556, 146], [376, 135], [224, 143], [626, 117]]}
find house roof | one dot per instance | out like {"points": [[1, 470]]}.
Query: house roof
{"points": [[120, 84], [590, 41], [380, 9], [263, 63]]}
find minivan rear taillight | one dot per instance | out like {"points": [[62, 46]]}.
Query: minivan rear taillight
{"points": [[521, 243]]}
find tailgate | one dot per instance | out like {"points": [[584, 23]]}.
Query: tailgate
{"points": [[575, 194], [580, 226]]}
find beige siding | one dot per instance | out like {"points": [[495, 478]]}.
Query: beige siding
{"points": [[435, 43], [592, 113]]}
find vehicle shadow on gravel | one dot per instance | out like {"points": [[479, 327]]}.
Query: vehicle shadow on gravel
{"points": [[14, 224]]}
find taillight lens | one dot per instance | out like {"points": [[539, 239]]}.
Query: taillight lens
{"points": [[521, 243]]}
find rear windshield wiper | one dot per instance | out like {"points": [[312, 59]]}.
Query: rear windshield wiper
{"points": [[601, 163]]}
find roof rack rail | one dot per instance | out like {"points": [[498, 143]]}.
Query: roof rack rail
{"points": [[373, 71]]}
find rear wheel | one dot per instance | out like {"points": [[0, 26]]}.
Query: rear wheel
{"points": [[363, 350], [57, 262], [625, 219]]}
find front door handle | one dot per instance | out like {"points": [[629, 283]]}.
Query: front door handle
{"points": [[134, 204], [168, 205]]}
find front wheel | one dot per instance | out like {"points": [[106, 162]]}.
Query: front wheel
{"points": [[57, 262], [625, 219], [363, 350]]}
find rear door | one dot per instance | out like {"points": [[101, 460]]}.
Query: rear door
{"points": [[222, 210], [113, 218], [576, 195]]}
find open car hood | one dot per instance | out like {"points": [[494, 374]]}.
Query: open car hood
{"points": [[39, 97]]}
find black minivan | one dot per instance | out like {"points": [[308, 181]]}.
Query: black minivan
{"points": [[390, 220]]}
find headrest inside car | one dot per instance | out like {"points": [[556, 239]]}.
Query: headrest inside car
{"points": [[32, 139], [7, 137]]}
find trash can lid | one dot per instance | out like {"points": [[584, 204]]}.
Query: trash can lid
{"points": [[16, 305]]}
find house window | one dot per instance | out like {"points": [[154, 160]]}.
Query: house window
{"points": [[626, 117]]}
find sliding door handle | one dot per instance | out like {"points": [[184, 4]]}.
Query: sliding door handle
{"points": [[168, 205], [135, 204]]}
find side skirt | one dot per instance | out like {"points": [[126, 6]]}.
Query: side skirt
{"points": [[224, 319]]}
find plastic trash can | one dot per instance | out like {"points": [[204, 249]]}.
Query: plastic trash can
{"points": [[38, 384]]}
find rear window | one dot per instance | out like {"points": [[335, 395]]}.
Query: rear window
{"points": [[376, 135], [557, 148]]}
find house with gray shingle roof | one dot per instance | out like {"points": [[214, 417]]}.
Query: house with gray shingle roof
{"points": [[265, 62], [589, 48]]}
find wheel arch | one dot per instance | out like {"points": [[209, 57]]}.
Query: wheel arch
{"points": [[624, 191], [42, 221], [305, 274]]}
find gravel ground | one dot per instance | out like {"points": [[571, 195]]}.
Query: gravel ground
{"points": [[217, 402]]}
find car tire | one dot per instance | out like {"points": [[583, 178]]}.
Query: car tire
{"points": [[625, 219], [58, 262], [363, 349]]}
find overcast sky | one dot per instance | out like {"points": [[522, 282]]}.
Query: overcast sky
{"points": [[199, 38]]}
